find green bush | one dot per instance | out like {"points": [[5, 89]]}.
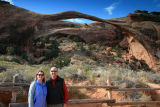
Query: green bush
{"points": [[70, 37], [46, 39], [54, 50], [53, 53], [88, 53], [94, 58], [91, 47], [3, 58], [30, 59], [76, 93], [14, 59], [99, 43], [74, 38], [52, 46], [55, 44], [24, 56], [10, 59], [42, 45], [71, 25], [80, 46], [86, 24], [36, 40], [61, 61], [10, 51]]}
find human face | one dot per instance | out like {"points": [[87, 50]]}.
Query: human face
{"points": [[53, 73], [40, 76]]}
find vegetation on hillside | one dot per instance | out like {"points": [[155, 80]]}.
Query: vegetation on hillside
{"points": [[78, 62]]}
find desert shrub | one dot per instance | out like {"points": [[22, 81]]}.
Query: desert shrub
{"points": [[88, 72], [86, 24], [124, 76], [77, 73], [42, 45], [154, 78], [52, 53], [37, 40], [103, 53], [54, 50], [14, 59], [71, 25], [28, 71], [70, 36], [79, 45], [10, 51], [46, 39], [74, 38], [140, 84], [55, 44], [144, 97], [61, 61], [76, 93], [10, 59], [91, 47], [137, 96], [99, 43], [3, 58], [88, 53], [24, 56], [7, 76], [119, 54], [117, 49], [68, 71], [94, 58], [79, 58], [30, 59]]}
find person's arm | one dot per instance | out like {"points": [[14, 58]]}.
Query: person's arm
{"points": [[31, 94], [65, 91]]}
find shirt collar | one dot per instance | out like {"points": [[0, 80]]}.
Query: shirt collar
{"points": [[37, 82], [54, 79]]}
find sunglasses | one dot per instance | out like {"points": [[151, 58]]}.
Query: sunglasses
{"points": [[40, 74], [53, 71]]}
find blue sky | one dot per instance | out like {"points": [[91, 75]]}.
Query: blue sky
{"points": [[105, 9]]}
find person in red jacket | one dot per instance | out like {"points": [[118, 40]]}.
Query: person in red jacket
{"points": [[57, 93]]}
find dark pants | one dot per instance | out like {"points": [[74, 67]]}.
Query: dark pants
{"points": [[55, 105]]}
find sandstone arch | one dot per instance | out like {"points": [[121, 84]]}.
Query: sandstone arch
{"points": [[128, 31]]}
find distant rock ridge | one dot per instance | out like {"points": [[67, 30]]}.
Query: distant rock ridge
{"points": [[19, 27], [143, 15]]}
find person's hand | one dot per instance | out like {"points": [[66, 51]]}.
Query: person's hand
{"points": [[65, 105]]}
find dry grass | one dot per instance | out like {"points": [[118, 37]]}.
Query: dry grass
{"points": [[28, 71], [83, 68]]}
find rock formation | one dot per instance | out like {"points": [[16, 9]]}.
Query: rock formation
{"points": [[141, 33]]}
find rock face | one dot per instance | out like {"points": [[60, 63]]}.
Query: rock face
{"points": [[107, 34], [144, 16], [19, 30], [139, 32]]}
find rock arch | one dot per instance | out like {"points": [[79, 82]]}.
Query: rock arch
{"points": [[128, 31]]}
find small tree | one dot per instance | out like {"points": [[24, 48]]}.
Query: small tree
{"points": [[10, 51], [54, 50], [61, 61]]}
